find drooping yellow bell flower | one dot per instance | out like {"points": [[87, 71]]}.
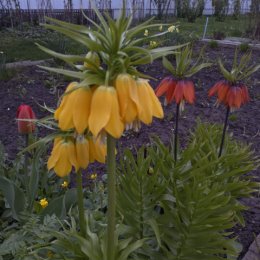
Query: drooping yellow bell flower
{"points": [[97, 151], [63, 157], [104, 112], [150, 104], [81, 108], [64, 112], [89, 150], [74, 109], [82, 150], [128, 97]]}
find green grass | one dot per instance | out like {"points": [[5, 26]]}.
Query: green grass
{"points": [[231, 27], [19, 46]]}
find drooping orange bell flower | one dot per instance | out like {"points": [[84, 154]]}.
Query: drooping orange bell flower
{"points": [[178, 90], [231, 95], [24, 126]]}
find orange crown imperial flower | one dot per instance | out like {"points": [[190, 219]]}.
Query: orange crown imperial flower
{"points": [[24, 126], [105, 112], [178, 90], [231, 95]]}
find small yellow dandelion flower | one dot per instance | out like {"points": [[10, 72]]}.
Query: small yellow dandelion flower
{"points": [[44, 203], [160, 28], [172, 28], [65, 184], [146, 32], [93, 176]]}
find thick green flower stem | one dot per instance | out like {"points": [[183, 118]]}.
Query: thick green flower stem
{"points": [[224, 132], [176, 131], [111, 170], [82, 223]]}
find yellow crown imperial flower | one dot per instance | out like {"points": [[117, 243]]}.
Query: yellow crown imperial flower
{"points": [[150, 104], [82, 150], [98, 151], [94, 58], [63, 157], [128, 97], [89, 151], [74, 109], [44, 203], [104, 112], [63, 105]]}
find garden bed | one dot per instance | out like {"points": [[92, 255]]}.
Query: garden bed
{"points": [[32, 85]]}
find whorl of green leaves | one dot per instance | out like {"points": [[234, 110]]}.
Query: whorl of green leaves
{"points": [[185, 64], [241, 70], [199, 197], [118, 45]]}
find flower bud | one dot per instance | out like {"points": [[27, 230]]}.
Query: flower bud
{"points": [[94, 58], [25, 126]]}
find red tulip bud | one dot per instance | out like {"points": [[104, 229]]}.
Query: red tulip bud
{"points": [[25, 112]]}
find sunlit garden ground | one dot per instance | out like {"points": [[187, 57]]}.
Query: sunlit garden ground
{"points": [[41, 90]]}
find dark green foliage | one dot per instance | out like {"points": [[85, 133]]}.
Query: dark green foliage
{"points": [[18, 240], [244, 47], [200, 202], [140, 191]]}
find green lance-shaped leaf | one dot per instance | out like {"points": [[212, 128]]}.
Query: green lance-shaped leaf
{"points": [[64, 57], [73, 74], [168, 66], [14, 196]]}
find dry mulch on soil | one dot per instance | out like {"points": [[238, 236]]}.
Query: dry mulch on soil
{"points": [[31, 86]]}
